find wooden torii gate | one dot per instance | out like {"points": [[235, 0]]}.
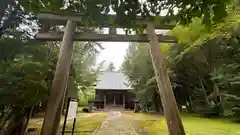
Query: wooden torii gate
{"points": [[55, 102]]}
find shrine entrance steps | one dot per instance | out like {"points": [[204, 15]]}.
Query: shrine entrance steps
{"points": [[113, 108]]}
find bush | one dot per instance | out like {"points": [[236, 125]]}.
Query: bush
{"points": [[86, 110], [236, 110]]}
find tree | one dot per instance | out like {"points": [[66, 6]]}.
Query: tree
{"points": [[26, 77], [84, 70], [201, 64], [12, 16], [25, 82], [110, 67], [137, 66], [26, 70], [203, 67], [128, 10]]}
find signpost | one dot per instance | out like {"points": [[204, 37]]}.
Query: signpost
{"points": [[71, 113]]}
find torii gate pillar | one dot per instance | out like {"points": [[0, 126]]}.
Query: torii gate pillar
{"points": [[171, 113], [52, 115]]}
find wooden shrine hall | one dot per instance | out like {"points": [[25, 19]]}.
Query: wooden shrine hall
{"points": [[112, 90]]}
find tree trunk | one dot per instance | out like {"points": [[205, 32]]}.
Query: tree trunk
{"points": [[2, 108], [51, 122], [2, 124], [157, 102], [15, 124], [171, 112], [29, 115]]}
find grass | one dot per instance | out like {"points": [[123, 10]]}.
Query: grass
{"points": [[156, 125], [86, 123], [80, 108]]}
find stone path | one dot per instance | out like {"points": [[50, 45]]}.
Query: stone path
{"points": [[116, 124]]}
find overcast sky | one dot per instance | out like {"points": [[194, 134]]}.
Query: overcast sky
{"points": [[113, 52]]}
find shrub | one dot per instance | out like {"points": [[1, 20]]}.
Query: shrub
{"points": [[86, 110]]}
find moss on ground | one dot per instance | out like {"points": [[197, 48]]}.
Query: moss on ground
{"points": [[156, 125], [85, 124]]}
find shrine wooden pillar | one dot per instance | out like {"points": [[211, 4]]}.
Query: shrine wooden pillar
{"points": [[51, 122], [124, 99], [105, 100], [171, 112], [114, 98]]}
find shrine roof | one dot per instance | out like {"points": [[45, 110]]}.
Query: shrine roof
{"points": [[112, 81]]}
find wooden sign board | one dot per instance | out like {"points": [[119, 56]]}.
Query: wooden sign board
{"points": [[72, 109]]}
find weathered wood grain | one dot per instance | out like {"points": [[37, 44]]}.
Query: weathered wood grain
{"points": [[171, 112], [51, 119], [55, 19], [104, 37]]}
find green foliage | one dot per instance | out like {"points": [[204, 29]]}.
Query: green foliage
{"points": [[13, 16], [84, 70], [137, 66], [110, 67], [27, 68], [206, 65], [203, 67], [25, 78], [85, 97], [191, 32], [127, 11], [26, 73]]}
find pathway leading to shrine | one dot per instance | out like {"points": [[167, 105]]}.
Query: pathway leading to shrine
{"points": [[116, 124]]}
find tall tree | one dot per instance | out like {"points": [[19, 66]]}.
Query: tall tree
{"points": [[26, 87], [25, 84], [137, 66], [201, 64], [110, 67], [84, 66]]}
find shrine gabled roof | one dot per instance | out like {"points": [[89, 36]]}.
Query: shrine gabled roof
{"points": [[112, 81]]}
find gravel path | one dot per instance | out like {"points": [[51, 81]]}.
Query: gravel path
{"points": [[116, 124]]}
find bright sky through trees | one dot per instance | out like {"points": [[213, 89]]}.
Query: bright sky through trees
{"points": [[115, 51]]}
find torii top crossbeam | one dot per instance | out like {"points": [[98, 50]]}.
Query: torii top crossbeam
{"points": [[54, 19]]}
